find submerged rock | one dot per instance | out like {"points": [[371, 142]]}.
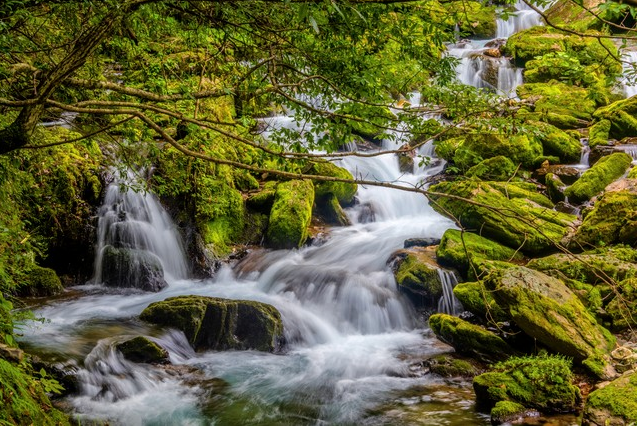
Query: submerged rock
{"points": [[122, 267], [143, 349], [219, 324], [614, 404], [545, 309], [469, 339]]}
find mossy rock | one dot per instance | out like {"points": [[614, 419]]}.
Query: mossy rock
{"points": [[576, 17], [555, 187], [509, 412], [469, 339], [599, 133], [455, 253], [478, 147], [559, 99], [330, 210], [622, 116], [498, 168], [558, 143], [546, 310], [417, 276], [613, 220], [24, 400], [601, 174], [130, 268], [622, 309], [291, 214], [564, 67], [41, 282], [613, 404], [475, 19], [541, 382], [345, 192], [512, 215], [211, 323], [220, 214], [262, 201], [632, 174], [475, 298], [446, 365], [142, 349]]}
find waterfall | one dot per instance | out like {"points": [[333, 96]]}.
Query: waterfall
{"points": [[629, 84], [448, 303], [523, 18], [138, 245]]}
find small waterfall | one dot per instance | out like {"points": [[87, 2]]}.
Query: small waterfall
{"points": [[448, 303], [629, 84], [524, 17], [137, 241], [585, 155]]}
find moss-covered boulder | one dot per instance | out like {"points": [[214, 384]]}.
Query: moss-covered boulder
{"points": [[124, 267], [40, 282], [613, 404], [143, 349], [218, 324], [475, 19], [291, 214], [558, 143], [447, 365], [498, 168], [459, 254], [417, 275], [621, 311], [558, 104], [541, 382], [599, 133], [514, 215], [330, 210], [555, 187], [475, 298], [632, 174], [508, 412], [545, 309], [342, 190], [220, 214], [594, 180], [622, 116], [564, 67], [477, 147], [469, 339]]}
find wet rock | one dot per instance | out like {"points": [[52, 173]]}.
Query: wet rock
{"points": [[594, 180], [417, 275], [330, 210], [493, 52], [219, 324], [130, 268], [567, 174], [447, 365], [508, 412], [614, 404], [600, 151], [142, 349], [291, 214], [555, 187], [599, 133], [421, 242], [545, 309], [469, 339]]}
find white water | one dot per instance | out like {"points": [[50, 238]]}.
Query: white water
{"points": [[350, 334], [448, 303], [628, 82], [522, 19]]}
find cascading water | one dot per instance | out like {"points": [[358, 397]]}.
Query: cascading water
{"points": [[522, 18], [138, 244], [448, 303]]}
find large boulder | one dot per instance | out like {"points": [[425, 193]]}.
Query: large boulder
{"points": [[613, 220], [417, 275], [558, 143], [545, 309], [131, 268], [218, 324], [514, 215], [559, 104], [291, 214], [622, 116], [495, 168], [599, 133], [477, 147], [469, 339], [542, 383], [614, 404], [40, 282], [459, 253], [342, 190], [594, 180], [475, 298]]}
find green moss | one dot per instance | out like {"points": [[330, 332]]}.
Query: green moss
{"points": [[477, 299], [559, 99], [513, 220], [505, 411], [558, 143], [456, 254], [446, 148], [24, 401], [343, 191], [615, 403], [632, 174], [598, 133], [142, 349], [291, 214], [41, 282], [564, 67], [475, 19], [622, 309], [545, 309], [539, 382], [612, 221], [467, 338], [555, 187], [477, 147], [601, 174], [448, 366], [622, 116], [496, 168], [417, 275], [214, 323]]}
